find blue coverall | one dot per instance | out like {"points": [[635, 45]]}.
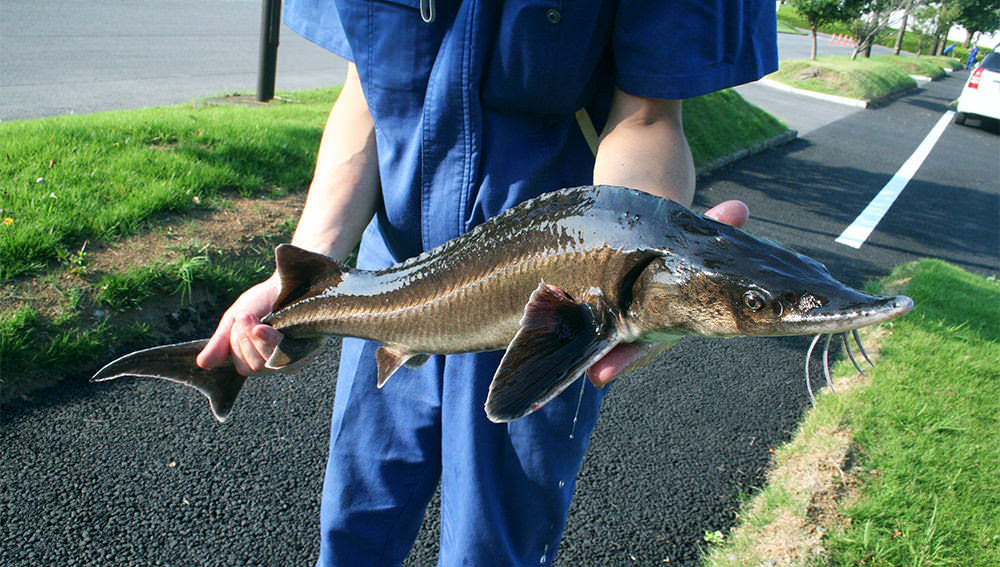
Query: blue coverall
{"points": [[474, 113]]}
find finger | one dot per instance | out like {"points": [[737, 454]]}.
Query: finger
{"points": [[264, 339], [267, 335], [246, 357], [732, 212], [217, 350], [605, 370]]}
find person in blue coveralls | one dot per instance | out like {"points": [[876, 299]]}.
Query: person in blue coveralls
{"points": [[451, 112], [972, 57]]}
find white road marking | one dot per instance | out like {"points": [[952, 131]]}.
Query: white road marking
{"points": [[858, 232]]}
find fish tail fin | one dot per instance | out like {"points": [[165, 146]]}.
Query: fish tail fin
{"points": [[176, 363], [304, 274]]}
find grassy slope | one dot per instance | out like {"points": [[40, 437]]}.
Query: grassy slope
{"points": [[928, 430], [863, 79], [924, 438], [101, 177]]}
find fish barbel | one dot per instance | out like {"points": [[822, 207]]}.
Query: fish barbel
{"points": [[558, 282]]}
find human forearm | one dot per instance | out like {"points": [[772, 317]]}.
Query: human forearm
{"points": [[643, 147], [345, 186]]}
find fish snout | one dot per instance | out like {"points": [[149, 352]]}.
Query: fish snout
{"points": [[852, 313]]}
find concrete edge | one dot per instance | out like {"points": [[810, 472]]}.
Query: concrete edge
{"points": [[813, 94], [779, 140]]}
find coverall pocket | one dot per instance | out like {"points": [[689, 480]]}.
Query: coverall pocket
{"points": [[545, 55], [402, 44]]}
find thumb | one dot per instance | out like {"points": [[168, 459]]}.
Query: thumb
{"points": [[731, 212]]}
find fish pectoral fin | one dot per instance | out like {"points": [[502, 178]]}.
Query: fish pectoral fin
{"points": [[390, 359], [176, 363], [558, 340], [292, 353]]}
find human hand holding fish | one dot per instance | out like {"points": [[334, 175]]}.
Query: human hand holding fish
{"points": [[241, 337], [560, 282]]}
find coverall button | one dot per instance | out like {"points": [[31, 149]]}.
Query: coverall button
{"points": [[553, 16]]}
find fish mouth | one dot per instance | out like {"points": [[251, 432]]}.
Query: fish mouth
{"points": [[833, 319]]}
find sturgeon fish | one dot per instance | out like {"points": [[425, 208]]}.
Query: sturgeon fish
{"points": [[558, 282]]}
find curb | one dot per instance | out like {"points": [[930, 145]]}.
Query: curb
{"points": [[813, 94], [779, 140]]}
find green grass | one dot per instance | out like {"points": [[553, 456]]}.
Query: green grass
{"points": [[74, 342], [722, 123], [928, 430], [71, 182], [101, 176], [863, 79], [924, 440], [932, 67], [785, 27]]}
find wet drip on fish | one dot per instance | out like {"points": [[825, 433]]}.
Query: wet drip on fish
{"points": [[579, 402]]}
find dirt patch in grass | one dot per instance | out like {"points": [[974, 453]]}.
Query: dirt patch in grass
{"points": [[230, 231], [787, 524], [229, 227]]}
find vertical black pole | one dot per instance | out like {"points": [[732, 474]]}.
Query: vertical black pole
{"points": [[270, 26]]}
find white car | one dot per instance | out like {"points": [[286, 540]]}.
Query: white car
{"points": [[981, 95]]}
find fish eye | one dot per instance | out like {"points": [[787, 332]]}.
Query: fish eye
{"points": [[754, 300]]}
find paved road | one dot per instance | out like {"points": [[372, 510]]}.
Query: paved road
{"points": [[77, 56], [137, 473]]}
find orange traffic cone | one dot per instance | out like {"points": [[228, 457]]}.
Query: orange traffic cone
{"points": [[833, 39]]}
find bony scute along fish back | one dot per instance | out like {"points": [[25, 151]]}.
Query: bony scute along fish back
{"points": [[580, 282]]}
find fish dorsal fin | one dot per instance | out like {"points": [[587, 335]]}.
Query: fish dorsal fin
{"points": [[390, 359], [558, 340], [304, 274]]}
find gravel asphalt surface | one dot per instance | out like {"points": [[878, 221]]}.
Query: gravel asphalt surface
{"points": [[137, 472]]}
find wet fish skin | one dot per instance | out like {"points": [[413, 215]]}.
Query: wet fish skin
{"points": [[558, 281]]}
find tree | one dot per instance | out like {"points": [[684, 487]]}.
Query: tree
{"points": [[902, 28], [935, 19], [819, 13], [977, 15], [872, 17]]}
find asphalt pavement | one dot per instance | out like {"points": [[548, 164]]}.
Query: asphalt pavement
{"points": [[75, 56]]}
